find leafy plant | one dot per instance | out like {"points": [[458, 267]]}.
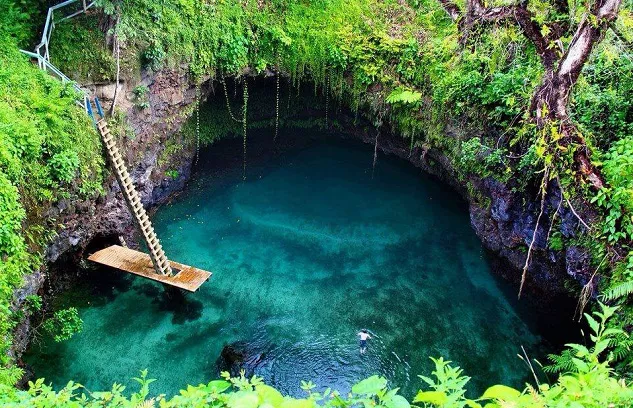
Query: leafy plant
{"points": [[64, 165], [154, 55], [404, 96], [141, 96], [448, 388], [33, 303], [173, 174], [617, 198], [63, 324]]}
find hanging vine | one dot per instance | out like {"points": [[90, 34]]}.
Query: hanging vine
{"points": [[378, 125], [228, 105], [198, 97], [277, 99], [244, 110], [543, 191], [373, 167], [289, 95], [327, 97]]}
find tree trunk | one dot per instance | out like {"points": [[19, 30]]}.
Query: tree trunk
{"points": [[549, 103]]}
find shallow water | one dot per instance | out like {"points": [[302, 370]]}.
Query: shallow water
{"points": [[305, 253]]}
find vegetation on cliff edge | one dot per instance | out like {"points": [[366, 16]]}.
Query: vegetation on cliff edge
{"points": [[547, 110]]}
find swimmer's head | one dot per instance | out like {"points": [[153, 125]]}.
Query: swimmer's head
{"points": [[364, 330]]}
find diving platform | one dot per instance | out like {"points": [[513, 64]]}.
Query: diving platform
{"points": [[139, 263]]}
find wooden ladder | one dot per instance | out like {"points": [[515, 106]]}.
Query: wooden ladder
{"points": [[159, 260]]}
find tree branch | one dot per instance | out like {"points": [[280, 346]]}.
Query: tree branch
{"points": [[451, 9], [587, 35], [544, 183], [518, 14]]}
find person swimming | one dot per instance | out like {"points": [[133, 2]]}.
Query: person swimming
{"points": [[364, 336]]}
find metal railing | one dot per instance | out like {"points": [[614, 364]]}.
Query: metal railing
{"points": [[54, 71], [42, 48], [71, 8]]}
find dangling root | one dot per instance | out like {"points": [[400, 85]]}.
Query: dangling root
{"points": [[117, 47], [198, 97], [228, 105], [587, 292], [538, 221], [277, 106], [373, 167], [327, 97], [551, 225]]}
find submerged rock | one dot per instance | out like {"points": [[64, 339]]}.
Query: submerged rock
{"points": [[238, 356]]}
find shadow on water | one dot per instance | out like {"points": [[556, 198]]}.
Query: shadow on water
{"points": [[172, 300]]}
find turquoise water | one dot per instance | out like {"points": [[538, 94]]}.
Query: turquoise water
{"points": [[306, 252]]}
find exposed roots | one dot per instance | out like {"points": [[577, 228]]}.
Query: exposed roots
{"points": [[587, 292], [373, 167], [244, 126], [538, 221], [551, 225]]}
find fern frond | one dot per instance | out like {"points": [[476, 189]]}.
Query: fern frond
{"points": [[622, 348], [146, 404], [11, 375], [622, 290], [561, 363]]}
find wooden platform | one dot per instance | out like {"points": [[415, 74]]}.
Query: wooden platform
{"points": [[139, 263]]}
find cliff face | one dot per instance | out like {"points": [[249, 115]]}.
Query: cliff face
{"points": [[505, 223], [169, 96]]}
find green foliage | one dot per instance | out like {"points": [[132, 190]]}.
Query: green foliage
{"points": [[64, 165], [388, 59], [621, 290], [405, 96], [77, 49], [475, 158], [617, 198], [153, 56], [48, 150], [173, 174], [448, 387], [556, 241], [33, 303], [601, 100], [63, 324], [141, 96], [140, 91]]}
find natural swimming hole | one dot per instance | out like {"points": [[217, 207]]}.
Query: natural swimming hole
{"points": [[306, 252]]}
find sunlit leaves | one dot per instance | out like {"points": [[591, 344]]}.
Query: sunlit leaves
{"points": [[402, 95]]}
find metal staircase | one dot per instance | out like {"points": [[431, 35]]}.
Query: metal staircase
{"points": [[160, 261]]}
